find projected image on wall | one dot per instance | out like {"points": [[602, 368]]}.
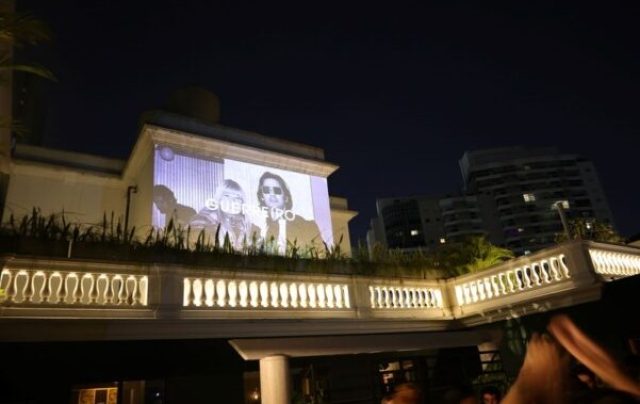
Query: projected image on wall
{"points": [[244, 204]]}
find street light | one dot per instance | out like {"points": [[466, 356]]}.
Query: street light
{"points": [[561, 206]]}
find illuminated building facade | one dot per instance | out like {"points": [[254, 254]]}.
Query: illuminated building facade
{"points": [[211, 179]]}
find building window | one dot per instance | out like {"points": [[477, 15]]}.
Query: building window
{"points": [[528, 198]]}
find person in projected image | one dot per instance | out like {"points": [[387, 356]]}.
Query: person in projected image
{"points": [[166, 202], [282, 223], [226, 212]]}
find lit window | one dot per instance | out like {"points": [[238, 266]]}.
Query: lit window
{"points": [[442, 240], [414, 232], [529, 197], [520, 229]]}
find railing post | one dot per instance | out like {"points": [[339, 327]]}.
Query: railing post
{"points": [[579, 262], [165, 291], [360, 298], [449, 302]]}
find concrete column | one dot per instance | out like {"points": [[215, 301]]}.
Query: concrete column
{"points": [[275, 383]]}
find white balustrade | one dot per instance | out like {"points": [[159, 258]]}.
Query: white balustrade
{"points": [[615, 263], [251, 294], [474, 288], [404, 297], [59, 288]]}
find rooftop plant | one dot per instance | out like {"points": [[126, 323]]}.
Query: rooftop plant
{"points": [[179, 244]]}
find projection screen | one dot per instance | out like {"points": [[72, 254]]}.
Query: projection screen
{"points": [[245, 204]]}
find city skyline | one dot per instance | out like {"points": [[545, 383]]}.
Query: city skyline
{"points": [[394, 96]]}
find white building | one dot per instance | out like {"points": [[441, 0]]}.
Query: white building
{"points": [[191, 159]]}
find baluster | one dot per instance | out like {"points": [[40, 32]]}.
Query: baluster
{"points": [[293, 293], [137, 292], [544, 270], [553, 265], [131, 285], [480, 286], [284, 295], [55, 286], [564, 266], [495, 284], [528, 280], [209, 293], [254, 293], [337, 292], [386, 298], [243, 293], [197, 288], [93, 288], [414, 298], [474, 291], [143, 286], [394, 297], [87, 289], [422, 298], [232, 289], [510, 286], [21, 284], [186, 292], [311, 291], [320, 296], [345, 296], [102, 285], [537, 273], [5, 285], [273, 290], [328, 291], [373, 296], [302, 292], [488, 289], [264, 294], [521, 280], [71, 286], [221, 291], [38, 284], [467, 293]]}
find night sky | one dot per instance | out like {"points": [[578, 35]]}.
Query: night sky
{"points": [[394, 94]]}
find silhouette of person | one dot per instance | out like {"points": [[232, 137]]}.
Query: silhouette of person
{"points": [[166, 202]]}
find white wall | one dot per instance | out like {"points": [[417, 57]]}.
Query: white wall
{"points": [[83, 196]]}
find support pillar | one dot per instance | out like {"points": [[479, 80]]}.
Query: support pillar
{"points": [[275, 383]]}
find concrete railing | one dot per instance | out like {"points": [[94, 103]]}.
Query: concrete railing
{"points": [[23, 286], [565, 274], [615, 261], [263, 292], [507, 279]]}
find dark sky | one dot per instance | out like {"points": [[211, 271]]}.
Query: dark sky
{"points": [[394, 93]]}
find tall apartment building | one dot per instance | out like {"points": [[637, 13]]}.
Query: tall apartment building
{"points": [[524, 184], [408, 223], [507, 196]]}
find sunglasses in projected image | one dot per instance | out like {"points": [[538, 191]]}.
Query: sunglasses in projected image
{"points": [[271, 190]]}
